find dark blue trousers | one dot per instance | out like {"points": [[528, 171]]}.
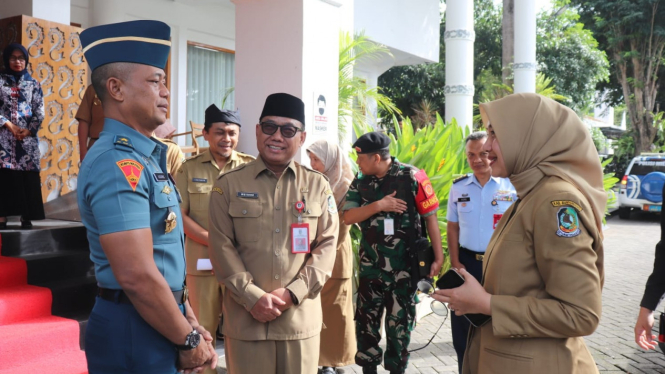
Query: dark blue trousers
{"points": [[460, 325], [118, 340]]}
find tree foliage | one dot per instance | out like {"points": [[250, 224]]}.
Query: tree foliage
{"points": [[354, 93], [633, 34]]}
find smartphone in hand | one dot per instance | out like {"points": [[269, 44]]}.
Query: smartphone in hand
{"points": [[453, 279]]}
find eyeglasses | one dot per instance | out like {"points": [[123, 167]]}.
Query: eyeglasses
{"points": [[288, 131], [19, 59]]}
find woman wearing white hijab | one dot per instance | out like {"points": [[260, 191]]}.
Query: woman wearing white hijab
{"points": [[338, 339]]}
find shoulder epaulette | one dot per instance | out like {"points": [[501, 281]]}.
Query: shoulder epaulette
{"points": [[166, 140], [193, 157], [240, 167], [124, 143], [314, 171], [245, 155], [463, 177]]}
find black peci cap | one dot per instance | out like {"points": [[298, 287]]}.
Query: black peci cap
{"points": [[214, 115], [371, 142], [284, 105]]}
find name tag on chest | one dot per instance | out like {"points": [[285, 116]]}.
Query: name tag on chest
{"points": [[199, 180], [161, 177], [248, 195]]}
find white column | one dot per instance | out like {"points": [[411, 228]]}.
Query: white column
{"points": [[524, 67], [287, 46], [459, 38]]}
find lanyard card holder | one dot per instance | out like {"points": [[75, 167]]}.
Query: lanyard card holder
{"points": [[300, 232]]}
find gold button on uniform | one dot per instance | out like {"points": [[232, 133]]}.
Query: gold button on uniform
{"points": [[276, 276]]}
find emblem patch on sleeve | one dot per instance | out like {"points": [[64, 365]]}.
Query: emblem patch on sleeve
{"points": [[332, 205], [569, 222], [218, 190], [132, 171]]}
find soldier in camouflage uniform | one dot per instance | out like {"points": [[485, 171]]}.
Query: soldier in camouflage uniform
{"points": [[377, 201]]}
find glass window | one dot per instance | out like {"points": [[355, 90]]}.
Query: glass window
{"points": [[210, 80]]}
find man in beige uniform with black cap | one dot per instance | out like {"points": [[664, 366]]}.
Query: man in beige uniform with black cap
{"points": [[195, 181], [273, 227]]}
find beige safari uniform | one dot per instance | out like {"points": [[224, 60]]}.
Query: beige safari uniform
{"points": [[338, 339], [251, 213], [546, 286], [174, 156], [194, 181]]}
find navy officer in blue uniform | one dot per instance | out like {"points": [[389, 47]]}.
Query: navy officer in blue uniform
{"points": [[141, 321], [475, 206]]}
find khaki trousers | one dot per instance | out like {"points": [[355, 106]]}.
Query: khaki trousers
{"points": [[338, 339], [205, 297], [272, 356]]}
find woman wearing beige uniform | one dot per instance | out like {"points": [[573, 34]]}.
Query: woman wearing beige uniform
{"points": [[338, 338], [543, 269]]}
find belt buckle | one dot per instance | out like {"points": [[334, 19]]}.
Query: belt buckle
{"points": [[185, 295], [480, 257]]}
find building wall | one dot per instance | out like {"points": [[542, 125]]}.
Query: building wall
{"points": [[409, 26], [190, 20]]}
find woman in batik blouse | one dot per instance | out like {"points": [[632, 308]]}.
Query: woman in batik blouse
{"points": [[21, 114]]}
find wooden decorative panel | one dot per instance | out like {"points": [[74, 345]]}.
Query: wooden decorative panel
{"points": [[56, 60]]}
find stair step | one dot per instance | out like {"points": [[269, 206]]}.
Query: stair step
{"points": [[22, 303], [45, 237], [74, 296], [30, 340], [69, 362], [60, 265], [13, 272]]}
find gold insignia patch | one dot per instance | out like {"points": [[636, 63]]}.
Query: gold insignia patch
{"points": [[560, 203], [166, 190], [170, 222], [218, 190]]}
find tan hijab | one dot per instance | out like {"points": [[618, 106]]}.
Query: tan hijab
{"points": [[337, 167], [540, 137]]}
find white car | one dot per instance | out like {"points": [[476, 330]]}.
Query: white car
{"points": [[642, 186]]}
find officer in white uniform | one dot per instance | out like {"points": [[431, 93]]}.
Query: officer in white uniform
{"points": [[476, 203]]}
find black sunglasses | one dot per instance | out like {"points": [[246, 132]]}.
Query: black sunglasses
{"points": [[288, 131]]}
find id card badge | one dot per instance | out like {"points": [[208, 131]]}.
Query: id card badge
{"points": [[300, 238], [497, 218], [389, 226]]}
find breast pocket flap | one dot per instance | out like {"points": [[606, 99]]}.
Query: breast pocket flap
{"points": [[312, 210], [245, 210]]}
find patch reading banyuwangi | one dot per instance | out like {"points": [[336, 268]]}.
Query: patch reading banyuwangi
{"points": [[568, 222], [132, 171], [557, 203]]}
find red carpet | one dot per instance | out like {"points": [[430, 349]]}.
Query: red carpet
{"points": [[34, 341]]}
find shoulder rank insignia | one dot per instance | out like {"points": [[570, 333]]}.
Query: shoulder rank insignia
{"points": [[463, 177], [568, 221], [121, 140], [131, 170]]}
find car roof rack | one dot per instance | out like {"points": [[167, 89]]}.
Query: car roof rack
{"points": [[652, 154]]}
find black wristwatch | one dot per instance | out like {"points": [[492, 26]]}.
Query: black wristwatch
{"points": [[192, 341]]}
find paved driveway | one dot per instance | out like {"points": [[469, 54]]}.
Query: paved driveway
{"points": [[629, 251]]}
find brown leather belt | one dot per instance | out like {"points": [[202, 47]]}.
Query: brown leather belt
{"points": [[119, 296], [476, 255]]}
